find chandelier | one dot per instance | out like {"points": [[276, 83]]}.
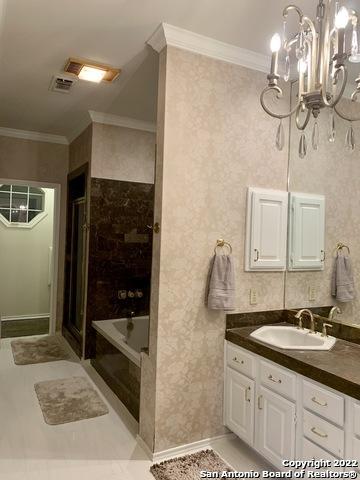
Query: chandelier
{"points": [[319, 49]]}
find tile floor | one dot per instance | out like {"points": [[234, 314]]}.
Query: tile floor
{"points": [[102, 448]]}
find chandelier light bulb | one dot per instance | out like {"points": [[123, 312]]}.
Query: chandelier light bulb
{"points": [[342, 18], [302, 65], [275, 43]]}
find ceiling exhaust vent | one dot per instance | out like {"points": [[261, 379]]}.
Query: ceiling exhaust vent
{"points": [[62, 84]]}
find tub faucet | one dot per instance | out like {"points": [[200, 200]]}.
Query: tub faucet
{"points": [[333, 313], [299, 315]]}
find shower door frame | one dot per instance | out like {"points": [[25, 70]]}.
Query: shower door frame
{"points": [[56, 241]]}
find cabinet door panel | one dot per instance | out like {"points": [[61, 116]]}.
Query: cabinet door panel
{"points": [[306, 236], [239, 405], [276, 427], [266, 230]]}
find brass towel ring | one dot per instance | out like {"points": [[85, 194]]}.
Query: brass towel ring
{"points": [[221, 243], [340, 246]]}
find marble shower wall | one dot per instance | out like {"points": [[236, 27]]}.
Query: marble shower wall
{"points": [[216, 141], [120, 247], [334, 172]]}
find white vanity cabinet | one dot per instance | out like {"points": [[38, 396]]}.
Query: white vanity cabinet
{"points": [[306, 232], [275, 426], [284, 415], [354, 437], [239, 407], [256, 409], [266, 230]]}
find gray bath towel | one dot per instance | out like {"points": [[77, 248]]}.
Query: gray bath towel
{"points": [[221, 286], [342, 281]]}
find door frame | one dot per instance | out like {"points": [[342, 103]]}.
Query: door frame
{"points": [[77, 344], [54, 290]]}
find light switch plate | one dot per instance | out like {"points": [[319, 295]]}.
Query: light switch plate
{"points": [[312, 293], [253, 296]]}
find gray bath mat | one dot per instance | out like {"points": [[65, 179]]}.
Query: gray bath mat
{"points": [[69, 400], [190, 466], [38, 350]]}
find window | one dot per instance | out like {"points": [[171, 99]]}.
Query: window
{"points": [[21, 205]]}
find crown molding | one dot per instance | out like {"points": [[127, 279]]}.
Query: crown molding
{"points": [[127, 122], [30, 135], [167, 34]]}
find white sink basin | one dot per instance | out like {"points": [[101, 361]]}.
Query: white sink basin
{"points": [[292, 338]]}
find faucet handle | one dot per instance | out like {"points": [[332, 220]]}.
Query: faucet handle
{"points": [[324, 327]]}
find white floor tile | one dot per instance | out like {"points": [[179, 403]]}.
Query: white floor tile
{"points": [[102, 448]]}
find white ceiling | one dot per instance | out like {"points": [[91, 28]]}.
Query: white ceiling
{"points": [[37, 36]]}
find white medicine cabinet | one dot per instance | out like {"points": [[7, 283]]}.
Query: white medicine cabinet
{"points": [[284, 230]]}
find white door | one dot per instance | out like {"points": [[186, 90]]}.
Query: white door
{"points": [[307, 232], [239, 405], [266, 229], [276, 427]]}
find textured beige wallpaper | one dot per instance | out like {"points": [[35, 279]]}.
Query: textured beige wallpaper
{"points": [[120, 153], [80, 149], [334, 172], [40, 162], [217, 141]]}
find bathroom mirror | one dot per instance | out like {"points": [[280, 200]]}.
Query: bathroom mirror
{"points": [[331, 171]]}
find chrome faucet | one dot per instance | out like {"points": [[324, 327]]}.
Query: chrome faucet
{"points": [[299, 315], [333, 313]]}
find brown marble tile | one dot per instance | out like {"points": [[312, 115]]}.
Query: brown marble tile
{"points": [[122, 375], [234, 320]]}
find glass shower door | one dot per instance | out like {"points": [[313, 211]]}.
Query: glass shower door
{"points": [[77, 267]]}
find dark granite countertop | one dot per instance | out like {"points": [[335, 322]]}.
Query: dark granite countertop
{"points": [[338, 368]]}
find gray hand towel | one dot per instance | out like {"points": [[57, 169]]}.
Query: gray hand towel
{"points": [[342, 281], [221, 291]]}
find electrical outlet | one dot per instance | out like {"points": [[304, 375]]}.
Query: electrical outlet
{"points": [[312, 293], [253, 296]]}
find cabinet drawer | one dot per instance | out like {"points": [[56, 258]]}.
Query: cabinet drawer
{"points": [[311, 450], [278, 379], [324, 434], [356, 450], [240, 360], [323, 402], [357, 419]]}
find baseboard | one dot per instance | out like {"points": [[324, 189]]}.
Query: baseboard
{"points": [[36, 316], [144, 446], [182, 449]]}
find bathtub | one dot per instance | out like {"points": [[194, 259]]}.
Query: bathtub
{"points": [[129, 342]]}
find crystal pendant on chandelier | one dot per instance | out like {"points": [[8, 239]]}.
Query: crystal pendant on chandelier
{"points": [[287, 68], [355, 56], [322, 50], [350, 138], [332, 131], [302, 146], [315, 136], [280, 137]]}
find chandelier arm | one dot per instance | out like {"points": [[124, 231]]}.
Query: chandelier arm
{"points": [[297, 118], [341, 115], [289, 8], [344, 71], [279, 92]]}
